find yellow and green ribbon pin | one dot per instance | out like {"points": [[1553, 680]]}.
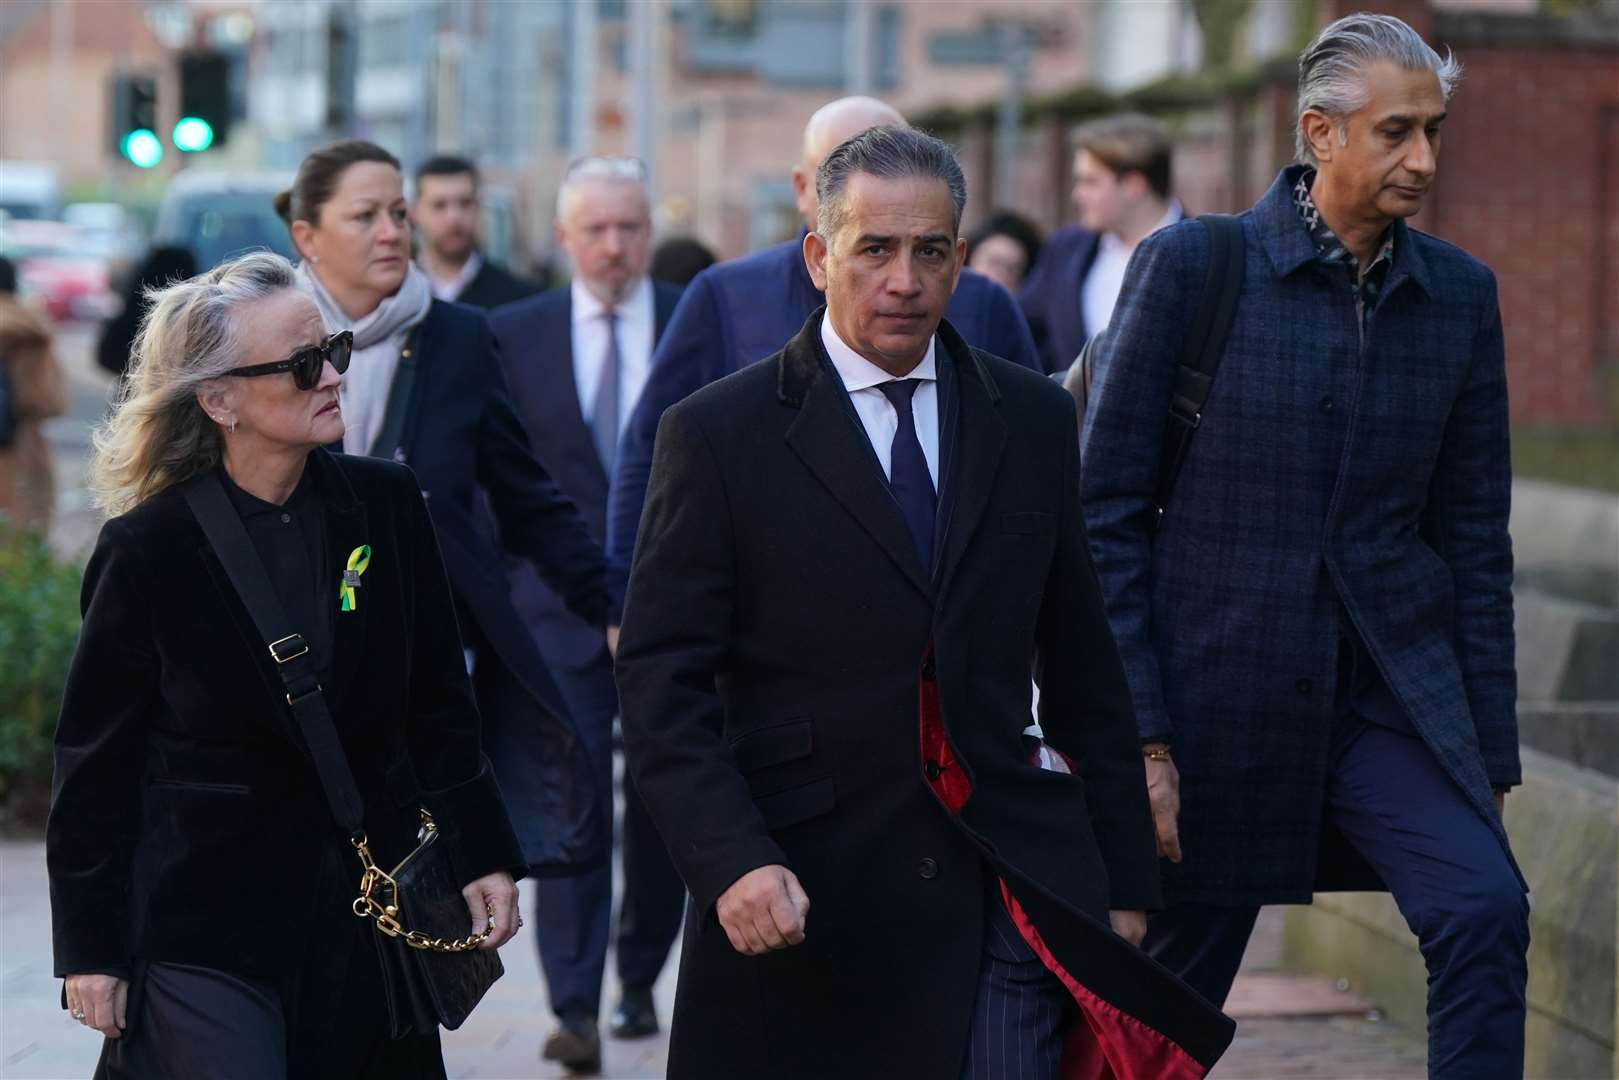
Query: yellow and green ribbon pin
{"points": [[359, 559]]}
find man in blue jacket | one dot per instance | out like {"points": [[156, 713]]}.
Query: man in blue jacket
{"points": [[741, 311], [1317, 624], [1122, 193]]}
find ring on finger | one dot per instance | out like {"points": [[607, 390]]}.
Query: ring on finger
{"points": [[78, 1014]]}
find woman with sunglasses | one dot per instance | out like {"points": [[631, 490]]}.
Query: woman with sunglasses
{"points": [[425, 388], [201, 890]]}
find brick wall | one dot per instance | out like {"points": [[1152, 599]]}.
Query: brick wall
{"points": [[1529, 183]]}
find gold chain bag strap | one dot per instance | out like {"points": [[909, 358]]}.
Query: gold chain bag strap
{"points": [[387, 911], [430, 976]]}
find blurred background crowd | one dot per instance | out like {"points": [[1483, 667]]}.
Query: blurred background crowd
{"points": [[128, 125]]}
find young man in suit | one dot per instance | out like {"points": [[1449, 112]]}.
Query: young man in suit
{"points": [[741, 311], [1122, 193], [854, 554], [576, 358], [1317, 627], [445, 213]]}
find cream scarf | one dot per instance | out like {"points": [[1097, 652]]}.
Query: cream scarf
{"points": [[378, 338]]}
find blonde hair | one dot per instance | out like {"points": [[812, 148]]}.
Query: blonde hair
{"points": [[158, 435]]}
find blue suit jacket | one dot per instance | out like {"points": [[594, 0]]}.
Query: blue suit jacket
{"points": [[489, 497], [739, 312], [536, 348], [1327, 480], [1051, 296]]}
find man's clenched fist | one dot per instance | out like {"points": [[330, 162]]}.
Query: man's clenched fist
{"points": [[763, 909]]}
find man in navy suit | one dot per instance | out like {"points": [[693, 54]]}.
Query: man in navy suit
{"points": [[1317, 622], [577, 358], [1122, 193], [739, 312]]}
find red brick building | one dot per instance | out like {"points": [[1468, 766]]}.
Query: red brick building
{"points": [[1529, 183], [1529, 177]]}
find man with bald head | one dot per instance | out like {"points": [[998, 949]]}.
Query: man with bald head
{"points": [[741, 311]]}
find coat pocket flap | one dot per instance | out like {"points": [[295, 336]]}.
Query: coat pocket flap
{"points": [[1030, 524], [773, 745], [797, 804]]}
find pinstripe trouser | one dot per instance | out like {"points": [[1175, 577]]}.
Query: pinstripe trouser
{"points": [[1022, 1011]]}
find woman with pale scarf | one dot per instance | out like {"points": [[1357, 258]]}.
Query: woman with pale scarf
{"points": [[425, 388]]}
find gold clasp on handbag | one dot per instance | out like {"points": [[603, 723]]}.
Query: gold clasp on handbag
{"points": [[367, 906]]}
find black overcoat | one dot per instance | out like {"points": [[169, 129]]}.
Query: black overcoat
{"points": [[784, 667], [187, 823]]}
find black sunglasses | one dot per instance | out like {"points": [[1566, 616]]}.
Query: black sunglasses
{"points": [[307, 362]]}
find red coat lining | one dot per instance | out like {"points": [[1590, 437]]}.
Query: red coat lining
{"points": [[1111, 1044]]}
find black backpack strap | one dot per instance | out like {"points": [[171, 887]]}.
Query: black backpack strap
{"points": [[1200, 357], [293, 661]]}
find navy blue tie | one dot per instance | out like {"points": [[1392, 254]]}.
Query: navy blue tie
{"points": [[908, 476]]}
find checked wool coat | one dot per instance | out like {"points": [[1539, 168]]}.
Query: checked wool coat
{"points": [[798, 689], [1330, 478]]}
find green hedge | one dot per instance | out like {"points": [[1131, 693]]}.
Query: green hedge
{"points": [[39, 625]]}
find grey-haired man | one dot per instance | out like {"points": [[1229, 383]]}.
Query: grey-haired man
{"points": [[1317, 627], [576, 358]]}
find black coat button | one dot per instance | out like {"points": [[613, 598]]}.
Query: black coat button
{"points": [[928, 869], [1327, 405], [1304, 686], [929, 670], [930, 769]]}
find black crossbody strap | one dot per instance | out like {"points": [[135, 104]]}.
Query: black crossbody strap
{"points": [[293, 660], [1200, 357]]}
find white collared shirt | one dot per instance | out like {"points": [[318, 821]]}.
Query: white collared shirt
{"points": [[861, 378], [636, 326], [450, 289], [1100, 290]]}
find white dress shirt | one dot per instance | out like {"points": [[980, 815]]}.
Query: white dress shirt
{"points": [[861, 378], [1100, 290], [450, 289], [636, 327]]}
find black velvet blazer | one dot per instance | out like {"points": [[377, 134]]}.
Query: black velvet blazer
{"points": [[187, 823]]}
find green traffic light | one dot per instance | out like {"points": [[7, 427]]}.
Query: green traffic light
{"points": [[143, 148], [193, 133]]}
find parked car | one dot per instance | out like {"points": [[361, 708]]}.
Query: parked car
{"points": [[56, 271], [218, 215], [29, 189], [108, 231]]}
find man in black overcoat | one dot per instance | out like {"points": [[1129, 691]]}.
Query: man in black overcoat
{"points": [[854, 554]]}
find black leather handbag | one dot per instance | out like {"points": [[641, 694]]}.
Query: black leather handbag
{"points": [[433, 972]]}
